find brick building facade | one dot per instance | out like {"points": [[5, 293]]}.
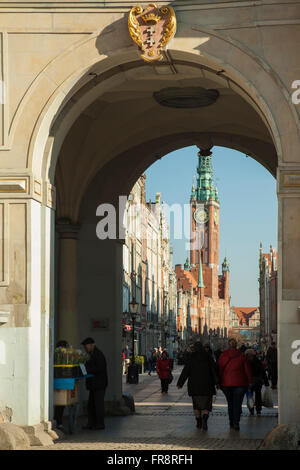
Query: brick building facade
{"points": [[268, 264], [203, 293], [245, 324]]}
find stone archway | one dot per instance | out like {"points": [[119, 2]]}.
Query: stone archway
{"points": [[107, 173], [263, 150]]}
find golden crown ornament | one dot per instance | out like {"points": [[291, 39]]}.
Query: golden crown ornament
{"points": [[151, 18], [152, 29]]}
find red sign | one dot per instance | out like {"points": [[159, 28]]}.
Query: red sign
{"points": [[100, 324]]}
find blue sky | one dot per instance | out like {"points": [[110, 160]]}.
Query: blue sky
{"points": [[248, 210]]}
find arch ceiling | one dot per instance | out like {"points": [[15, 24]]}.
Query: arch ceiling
{"points": [[124, 129]]}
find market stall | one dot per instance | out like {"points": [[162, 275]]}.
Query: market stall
{"points": [[69, 369]]}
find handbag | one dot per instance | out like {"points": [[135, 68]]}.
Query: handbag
{"points": [[267, 399], [170, 378]]}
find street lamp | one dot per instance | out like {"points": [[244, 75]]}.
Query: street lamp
{"points": [[133, 373]]}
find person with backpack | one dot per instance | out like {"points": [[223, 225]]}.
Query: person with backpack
{"points": [[259, 379]]}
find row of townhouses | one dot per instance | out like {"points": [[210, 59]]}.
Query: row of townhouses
{"points": [[259, 324], [148, 276], [268, 296]]}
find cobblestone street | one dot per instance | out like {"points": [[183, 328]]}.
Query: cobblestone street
{"points": [[166, 422]]}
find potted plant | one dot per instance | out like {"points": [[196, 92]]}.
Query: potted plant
{"points": [[66, 362]]}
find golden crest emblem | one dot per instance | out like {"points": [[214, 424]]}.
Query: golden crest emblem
{"points": [[151, 29]]}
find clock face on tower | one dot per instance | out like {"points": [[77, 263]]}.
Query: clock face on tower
{"points": [[201, 216]]}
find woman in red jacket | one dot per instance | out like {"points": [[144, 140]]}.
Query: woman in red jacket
{"points": [[163, 368], [235, 377]]}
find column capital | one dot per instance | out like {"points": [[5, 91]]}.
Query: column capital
{"points": [[67, 229]]}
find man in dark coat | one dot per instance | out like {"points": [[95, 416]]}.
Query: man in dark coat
{"points": [[96, 385], [201, 374]]}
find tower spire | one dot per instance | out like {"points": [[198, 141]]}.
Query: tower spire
{"points": [[193, 193], [187, 265], [205, 190], [225, 265]]}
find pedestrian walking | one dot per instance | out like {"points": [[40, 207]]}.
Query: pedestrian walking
{"points": [[202, 380], [149, 361], [180, 358], [123, 362], [208, 349], [126, 362], [155, 356], [187, 353], [96, 365], [172, 358], [259, 378], [272, 364], [235, 377], [163, 368], [218, 353]]}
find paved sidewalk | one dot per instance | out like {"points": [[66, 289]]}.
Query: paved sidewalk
{"points": [[166, 422]]}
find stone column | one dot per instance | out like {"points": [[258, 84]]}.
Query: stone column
{"points": [[25, 311], [21, 342], [67, 297], [100, 274], [47, 310], [289, 294]]}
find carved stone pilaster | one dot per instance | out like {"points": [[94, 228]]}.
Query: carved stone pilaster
{"points": [[68, 309]]}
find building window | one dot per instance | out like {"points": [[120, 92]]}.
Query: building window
{"points": [[126, 258]]}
